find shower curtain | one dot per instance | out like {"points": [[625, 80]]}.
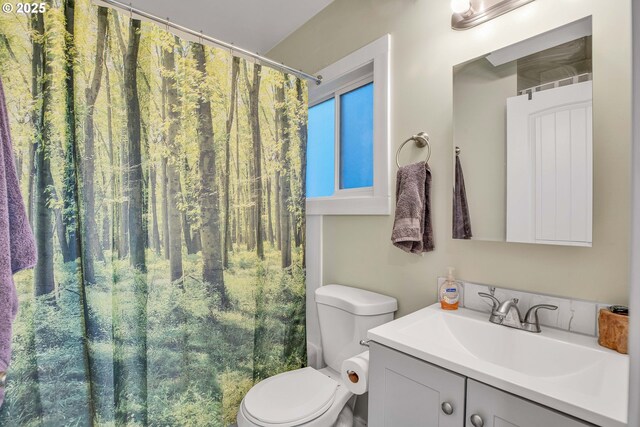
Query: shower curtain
{"points": [[164, 182]]}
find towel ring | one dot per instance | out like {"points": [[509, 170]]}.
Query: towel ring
{"points": [[421, 140]]}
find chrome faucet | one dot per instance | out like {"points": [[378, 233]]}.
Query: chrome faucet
{"points": [[507, 314]]}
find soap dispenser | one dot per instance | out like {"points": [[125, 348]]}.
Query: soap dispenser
{"points": [[449, 292]]}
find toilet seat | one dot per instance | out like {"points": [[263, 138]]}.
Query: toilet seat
{"points": [[290, 399]]}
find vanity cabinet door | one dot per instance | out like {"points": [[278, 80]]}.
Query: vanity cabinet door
{"points": [[407, 392], [494, 408]]}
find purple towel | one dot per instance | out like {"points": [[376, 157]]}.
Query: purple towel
{"points": [[17, 245], [461, 218], [412, 230]]}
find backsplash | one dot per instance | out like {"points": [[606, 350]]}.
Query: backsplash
{"points": [[572, 315]]}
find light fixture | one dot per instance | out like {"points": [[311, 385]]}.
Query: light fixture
{"points": [[469, 13], [460, 7]]}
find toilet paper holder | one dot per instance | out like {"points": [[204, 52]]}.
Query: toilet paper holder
{"points": [[353, 377]]}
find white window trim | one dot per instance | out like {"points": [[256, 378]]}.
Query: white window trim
{"points": [[367, 64]]}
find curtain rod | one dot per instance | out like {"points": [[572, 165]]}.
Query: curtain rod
{"points": [[123, 7]]}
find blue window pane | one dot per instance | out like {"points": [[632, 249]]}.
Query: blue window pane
{"points": [[321, 149], [356, 138]]}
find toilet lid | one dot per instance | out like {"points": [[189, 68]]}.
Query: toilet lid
{"points": [[295, 396]]}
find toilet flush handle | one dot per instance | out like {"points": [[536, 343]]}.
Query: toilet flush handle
{"points": [[364, 343]]}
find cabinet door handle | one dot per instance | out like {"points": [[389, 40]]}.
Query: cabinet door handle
{"points": [[447, 408], [476, 421]]}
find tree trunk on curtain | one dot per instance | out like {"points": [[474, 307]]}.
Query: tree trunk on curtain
{"points": [[135, 190], [155, 231], [173, 174], [32, 169], [163, 174], [70, 199], [212, 267], [35, 68], [107, 181], [285, 184], [186, 225], [122, 237], [197, 241], [277, 120], [278, 208], [239, 210], [302, 135], [235, 64], [60, 228], [134, 403], [269, 215], [111, 235], [165, 207], [254, 117], [191, 237], [91, 244], [36, 71], [123, 234], [260, 362], [43, 275], [251, 209]]}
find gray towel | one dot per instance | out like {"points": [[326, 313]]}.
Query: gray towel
{"points": [[412, 230], [461, 219], [17, 246]]}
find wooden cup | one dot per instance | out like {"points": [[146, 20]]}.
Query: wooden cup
{"points": [[614, 331]]}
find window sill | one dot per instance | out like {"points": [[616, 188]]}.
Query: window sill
{"points": [[363, 205]]}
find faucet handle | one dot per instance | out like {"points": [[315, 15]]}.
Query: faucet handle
{"points": [[495, 301], [531, 321]]}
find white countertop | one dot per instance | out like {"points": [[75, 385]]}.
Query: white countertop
{"points": [[564, 371]]}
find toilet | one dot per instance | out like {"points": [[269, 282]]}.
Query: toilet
{"points": [[319, 398]]}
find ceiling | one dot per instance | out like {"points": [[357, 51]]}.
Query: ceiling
{"points": [[255, 25]]}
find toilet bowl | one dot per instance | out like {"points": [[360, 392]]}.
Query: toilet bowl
{"points": [[319, 398], [304, 397]]}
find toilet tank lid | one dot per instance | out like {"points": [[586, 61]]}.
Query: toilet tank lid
{"points": [[356, 301]]}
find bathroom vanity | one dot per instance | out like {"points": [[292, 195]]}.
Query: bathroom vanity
{"points": [[439, 368]]}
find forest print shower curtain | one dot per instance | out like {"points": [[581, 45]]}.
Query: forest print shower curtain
{"points": [[164, 182]]}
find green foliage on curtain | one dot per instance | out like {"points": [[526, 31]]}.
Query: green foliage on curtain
{"points": [[164, 181]]}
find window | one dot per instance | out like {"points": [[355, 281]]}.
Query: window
{"points": [[321, 149], [348, 148], [356, 138]]}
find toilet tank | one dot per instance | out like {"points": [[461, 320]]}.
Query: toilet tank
{"points": [[346, 314]]}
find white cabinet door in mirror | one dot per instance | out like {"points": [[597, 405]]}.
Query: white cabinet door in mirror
{"points": [[550, 166]]}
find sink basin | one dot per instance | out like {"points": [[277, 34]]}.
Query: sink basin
{"points": [[565, 371], [530, 354]]}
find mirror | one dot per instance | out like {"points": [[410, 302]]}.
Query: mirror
{"points": [[522, 141]]}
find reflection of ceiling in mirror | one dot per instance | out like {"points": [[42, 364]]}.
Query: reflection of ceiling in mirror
{"points": [[560, 62]]}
